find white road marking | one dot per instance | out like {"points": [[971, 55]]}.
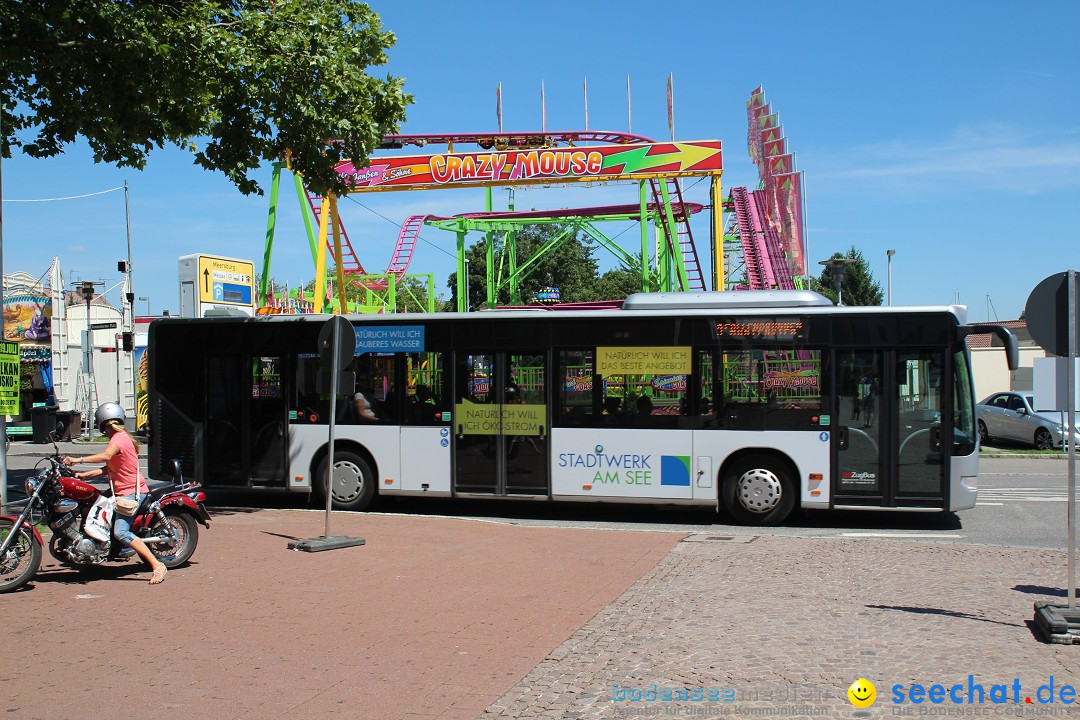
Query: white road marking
{"points": [[1023, 494]]}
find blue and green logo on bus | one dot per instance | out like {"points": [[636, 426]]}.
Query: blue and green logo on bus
{"points": [[675, 470]]}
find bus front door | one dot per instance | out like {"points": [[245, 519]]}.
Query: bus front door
{"points": [[222, 428], [888, 444], [244, 436], [500, 424], [267, 420]]}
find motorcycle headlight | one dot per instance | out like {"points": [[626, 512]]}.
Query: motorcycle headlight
{"points": [[31, 485]]}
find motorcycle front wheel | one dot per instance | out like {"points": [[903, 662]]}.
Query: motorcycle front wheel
{"points": [[21, 561], [185, 532]]}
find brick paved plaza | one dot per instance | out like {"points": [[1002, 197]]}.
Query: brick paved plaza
{"points": [[445, 618]]}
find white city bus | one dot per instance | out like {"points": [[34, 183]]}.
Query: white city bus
{"points": [[752, 403]]}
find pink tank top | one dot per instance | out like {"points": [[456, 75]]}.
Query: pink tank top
{"points": [[124, 466]]}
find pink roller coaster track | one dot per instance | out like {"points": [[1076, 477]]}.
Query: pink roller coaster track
{"points": [[766, 267], [680, 238]]}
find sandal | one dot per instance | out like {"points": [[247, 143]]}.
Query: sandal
{"points": [[159, 575]]}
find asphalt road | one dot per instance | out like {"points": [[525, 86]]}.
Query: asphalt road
{"points": [[1022, 503]]}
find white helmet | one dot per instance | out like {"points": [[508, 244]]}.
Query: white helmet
{"points": [[106, 412]]}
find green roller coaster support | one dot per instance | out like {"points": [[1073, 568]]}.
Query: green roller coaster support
{"points": [[525, 270], [513, 277], [643, 201], [462, 274], [271, 227], [671, 246], [301, 194], [489, 242], [608, 244]]}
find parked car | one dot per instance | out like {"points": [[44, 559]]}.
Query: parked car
{"points": [[1012, 416]]}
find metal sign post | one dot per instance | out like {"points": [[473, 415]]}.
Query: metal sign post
{"points": [[337, 344], [335, 368], [1052, 322], [1070, 393]]}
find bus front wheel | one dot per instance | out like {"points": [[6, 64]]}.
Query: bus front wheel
{"points": [[353, 485], [759, 490]]}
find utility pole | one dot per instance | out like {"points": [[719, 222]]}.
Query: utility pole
{"points": [[130, 300]]}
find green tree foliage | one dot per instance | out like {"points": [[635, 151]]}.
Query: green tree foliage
{"points": [[859, 285], [617, 284], [238, 82], [570, 266]]}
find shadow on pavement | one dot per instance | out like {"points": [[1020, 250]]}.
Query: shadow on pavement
{"points": [[1040, 590], [246, 501], [940, 611]]}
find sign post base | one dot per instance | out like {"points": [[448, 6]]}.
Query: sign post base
{"points": [[332, 542], [1060, 625]]}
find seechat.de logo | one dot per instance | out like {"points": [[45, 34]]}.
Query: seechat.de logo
{"points": [[862, 693]]}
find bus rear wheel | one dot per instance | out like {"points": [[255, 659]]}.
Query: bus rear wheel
{"points": [[759, 490], [353, 485]]}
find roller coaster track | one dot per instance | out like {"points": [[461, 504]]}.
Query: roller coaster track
{"points": [[680, 239], [766, 267], [516, 141], [349, 262]]}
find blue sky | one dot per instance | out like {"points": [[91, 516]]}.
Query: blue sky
{"points": [[949, 132]]}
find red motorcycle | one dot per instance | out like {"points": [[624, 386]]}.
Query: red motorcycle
{"points": [[167, 520]]}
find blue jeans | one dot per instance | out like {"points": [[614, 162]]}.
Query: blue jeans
{"points": [[122, 525]]}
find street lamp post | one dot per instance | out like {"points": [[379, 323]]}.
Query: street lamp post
{"points": [[147, 299], [890, 253], [838, 265], [86, 289]]}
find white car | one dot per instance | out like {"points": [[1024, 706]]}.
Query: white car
{"points": [[1012, 416]]}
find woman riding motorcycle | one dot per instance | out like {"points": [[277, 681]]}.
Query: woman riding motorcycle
{"points": [[121, 458]]}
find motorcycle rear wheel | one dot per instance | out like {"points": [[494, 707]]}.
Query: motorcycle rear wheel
{"points": [[21, 561], [185, 530]]}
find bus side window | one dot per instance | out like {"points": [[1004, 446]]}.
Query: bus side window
{"points": [[576, 389], [425, 401]]}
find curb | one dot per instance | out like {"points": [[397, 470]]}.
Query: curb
{"points": [[1024, 456]]}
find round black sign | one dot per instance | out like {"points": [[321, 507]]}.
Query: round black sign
{"points": [[1047, 313], [346, 343]]}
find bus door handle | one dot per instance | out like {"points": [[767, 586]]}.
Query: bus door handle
{"points": [[935, 438], [842, 437], [542, 432], [461, 432]]}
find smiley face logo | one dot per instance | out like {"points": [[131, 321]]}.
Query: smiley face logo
{"points": [[862, 693]]}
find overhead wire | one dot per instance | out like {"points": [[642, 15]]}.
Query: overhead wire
{"points": [[69, 197]]}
